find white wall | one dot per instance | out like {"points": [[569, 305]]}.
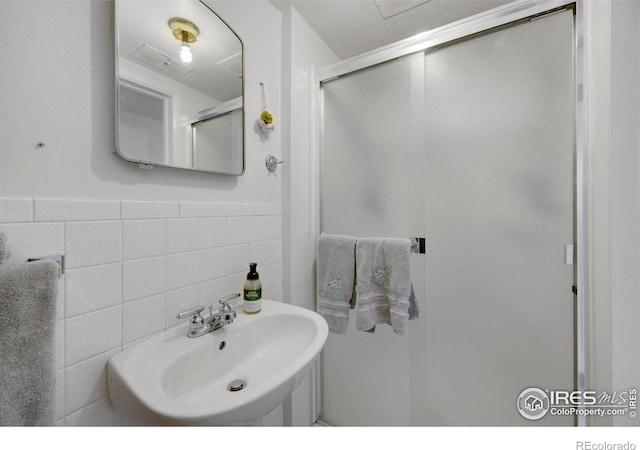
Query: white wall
{"points": [[60, 90], [612, 312], [625, 197], [186, 237], [303, 51], [308, 52]]}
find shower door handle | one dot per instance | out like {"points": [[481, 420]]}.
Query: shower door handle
{"points": [[418, 245]]}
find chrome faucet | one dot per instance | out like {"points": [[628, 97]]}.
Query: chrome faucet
{"points": [[200, 326]]}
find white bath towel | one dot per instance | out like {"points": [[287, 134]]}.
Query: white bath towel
{"points": [[385, 293], [336, 276], [4, 248]]}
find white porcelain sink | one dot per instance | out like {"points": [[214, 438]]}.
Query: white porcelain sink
{"points": [[176, 380]]}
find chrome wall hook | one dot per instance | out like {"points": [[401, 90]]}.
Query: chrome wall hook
{"points": [[272, 163]]}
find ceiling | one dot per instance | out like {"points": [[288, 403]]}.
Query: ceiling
{"points": [[352, 27], [143, 32], [348, 27]]}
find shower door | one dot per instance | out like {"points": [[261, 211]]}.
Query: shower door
{"points": [[470, 145], [372, 185], [499, 205]]}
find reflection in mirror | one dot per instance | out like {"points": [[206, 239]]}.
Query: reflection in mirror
{"points": [[218, 130], [179, 73]]}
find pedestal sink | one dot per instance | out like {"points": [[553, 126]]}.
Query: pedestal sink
{"points": [[231, 376]]}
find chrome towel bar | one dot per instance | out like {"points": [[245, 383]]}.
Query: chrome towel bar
{"points": [[57, 258]]}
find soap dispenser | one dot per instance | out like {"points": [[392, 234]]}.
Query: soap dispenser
{"points": [[252, 291]]}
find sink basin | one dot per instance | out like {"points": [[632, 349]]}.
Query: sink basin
{"points": [[232, 376]]}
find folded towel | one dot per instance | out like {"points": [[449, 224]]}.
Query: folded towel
{"points": [[4, 249], [27, 339], [385, 292], [414, 310], [336, 276]]}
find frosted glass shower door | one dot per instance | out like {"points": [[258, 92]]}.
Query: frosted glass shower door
{"points": [[371, 185], [499, 215], [470, 145]]}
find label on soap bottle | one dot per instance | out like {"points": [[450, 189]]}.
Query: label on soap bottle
{"points": [[252, 300]]}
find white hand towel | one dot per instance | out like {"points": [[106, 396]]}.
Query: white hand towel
{"points": [[336, 276], [385, 293]]}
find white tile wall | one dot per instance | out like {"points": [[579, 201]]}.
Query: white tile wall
{"points": [[213, 232], [239, 230], [143, 238], [149, 210], [131, 266], [92, 288], [183, 235], [91, 243], [53, 210], [143, 317], [188, 297], [93, 333], [199, 209], [183, 269], [143, 277], [213, 263], [16, 210]]}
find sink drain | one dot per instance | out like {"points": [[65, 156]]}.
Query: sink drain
{"points": [[237, 385]]}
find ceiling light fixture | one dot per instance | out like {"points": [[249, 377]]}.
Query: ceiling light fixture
{"points": [[187, 33]]}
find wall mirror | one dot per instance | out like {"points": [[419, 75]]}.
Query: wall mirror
{"points": [[179, 87]]}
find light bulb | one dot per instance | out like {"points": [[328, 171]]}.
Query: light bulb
{"points": [[185, 53]]}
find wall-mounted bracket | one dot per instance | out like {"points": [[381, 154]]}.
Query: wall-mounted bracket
{"points": [[418, 245], [57, 258]]}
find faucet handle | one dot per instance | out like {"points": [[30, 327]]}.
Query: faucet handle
{"points": [[195, 312], [197, 327], [224, 301]]}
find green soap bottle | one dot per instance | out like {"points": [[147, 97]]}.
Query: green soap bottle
{"points": [[252, 291]]}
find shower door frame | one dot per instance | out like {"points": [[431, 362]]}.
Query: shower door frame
{"points": [[481, 23]]}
